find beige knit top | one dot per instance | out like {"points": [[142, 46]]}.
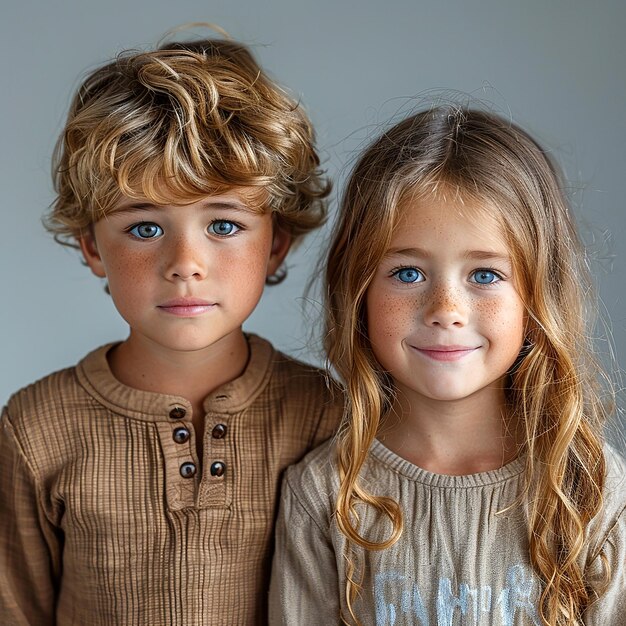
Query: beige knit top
{"points": [[106, 516], [462, 559]]}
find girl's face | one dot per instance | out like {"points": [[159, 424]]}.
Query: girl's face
{"points": [[444, 317]]}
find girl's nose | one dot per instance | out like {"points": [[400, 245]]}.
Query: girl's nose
{"points": [[446, 307], [185, 260]]}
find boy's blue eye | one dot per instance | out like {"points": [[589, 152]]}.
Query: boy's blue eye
{"points": [[146, 230], [223, 228], [485, 277], [408, 275]]}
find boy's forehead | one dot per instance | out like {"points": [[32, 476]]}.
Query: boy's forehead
{"points": [[252, 199]]}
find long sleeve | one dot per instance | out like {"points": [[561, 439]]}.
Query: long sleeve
{"points": [[27, 540], [304, 586]]}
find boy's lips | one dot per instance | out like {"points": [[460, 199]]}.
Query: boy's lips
{"points": [[445, 353], [186, 307]]}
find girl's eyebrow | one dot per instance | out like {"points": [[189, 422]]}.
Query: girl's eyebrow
{"points": [[409, 252], [485, 255], [473, 255]]}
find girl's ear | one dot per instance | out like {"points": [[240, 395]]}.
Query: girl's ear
{"points": [[88, 247], [280, 246]]}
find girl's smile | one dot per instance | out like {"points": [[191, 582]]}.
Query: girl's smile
{"points": [[444, 353]]}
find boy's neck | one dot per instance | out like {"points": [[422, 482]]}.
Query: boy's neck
{"points": [[142, 364]]}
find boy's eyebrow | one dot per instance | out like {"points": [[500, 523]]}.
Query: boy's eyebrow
{"points": [[135, 206], [232, 205]]}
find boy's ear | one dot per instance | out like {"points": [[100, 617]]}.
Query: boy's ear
{"points": [[280, 246], [88, 247]]}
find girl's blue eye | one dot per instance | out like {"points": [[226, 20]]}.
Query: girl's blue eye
{"points": [[223, 228], [146, 230], [485, 277], [408, 275]]}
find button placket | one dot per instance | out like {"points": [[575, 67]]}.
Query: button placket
{"points": [[216, 453], [188, 469], [215, 486], [178, 413], [182, 435], [218, 469], [219, 431]]}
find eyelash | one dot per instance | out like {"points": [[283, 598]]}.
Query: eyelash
{"points": [[487, 270], [396, 271], [237, 228], [237, 225], [132, 227]]}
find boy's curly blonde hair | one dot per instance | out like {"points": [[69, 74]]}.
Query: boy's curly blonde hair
{"points": [[179, 123]]}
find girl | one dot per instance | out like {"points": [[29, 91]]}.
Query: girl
{"points": [[469, 483]]}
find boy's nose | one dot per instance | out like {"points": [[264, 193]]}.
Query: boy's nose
{"points": [[446, 307], [185, 261]]}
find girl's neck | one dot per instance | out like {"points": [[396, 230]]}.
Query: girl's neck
{"points": [[453, 438]]}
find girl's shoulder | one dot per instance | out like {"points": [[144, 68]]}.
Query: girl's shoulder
{"points": [[312, 484], [615, 486], [317, 470], [609, 525], [606, 551], [615, 467]]}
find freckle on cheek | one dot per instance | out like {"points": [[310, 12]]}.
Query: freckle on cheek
{"points": [[484, 305], [393, 314]]}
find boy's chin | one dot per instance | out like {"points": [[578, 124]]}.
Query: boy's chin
{"points": [[188, 342]]}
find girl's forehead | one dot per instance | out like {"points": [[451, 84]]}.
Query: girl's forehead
{"points": [[454, 216]]}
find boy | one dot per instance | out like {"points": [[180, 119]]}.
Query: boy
{"points": [[139, 487]]}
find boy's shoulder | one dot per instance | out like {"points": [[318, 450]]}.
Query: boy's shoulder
{"points": [[50, 411], [306, 378], [304, 395], [295, 381], [37, 400], [39, 405]]}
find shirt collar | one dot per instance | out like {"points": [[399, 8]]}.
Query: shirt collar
{"points": [[96, 377]]}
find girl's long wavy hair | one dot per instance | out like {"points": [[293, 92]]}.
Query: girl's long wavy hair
{"points": [[556, 388]]}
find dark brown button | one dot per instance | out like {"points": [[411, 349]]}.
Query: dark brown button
{"points": [[181, 435], [187, 470], [218, 468], [219, 431], [177, 413]]}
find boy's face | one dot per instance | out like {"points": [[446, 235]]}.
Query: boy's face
{"points": [[186, 277]]}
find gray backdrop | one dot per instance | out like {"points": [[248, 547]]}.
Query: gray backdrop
{"points": [[557, 67]]}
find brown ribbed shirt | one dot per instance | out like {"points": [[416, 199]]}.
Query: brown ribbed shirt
{"points": [[106, 516]]}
